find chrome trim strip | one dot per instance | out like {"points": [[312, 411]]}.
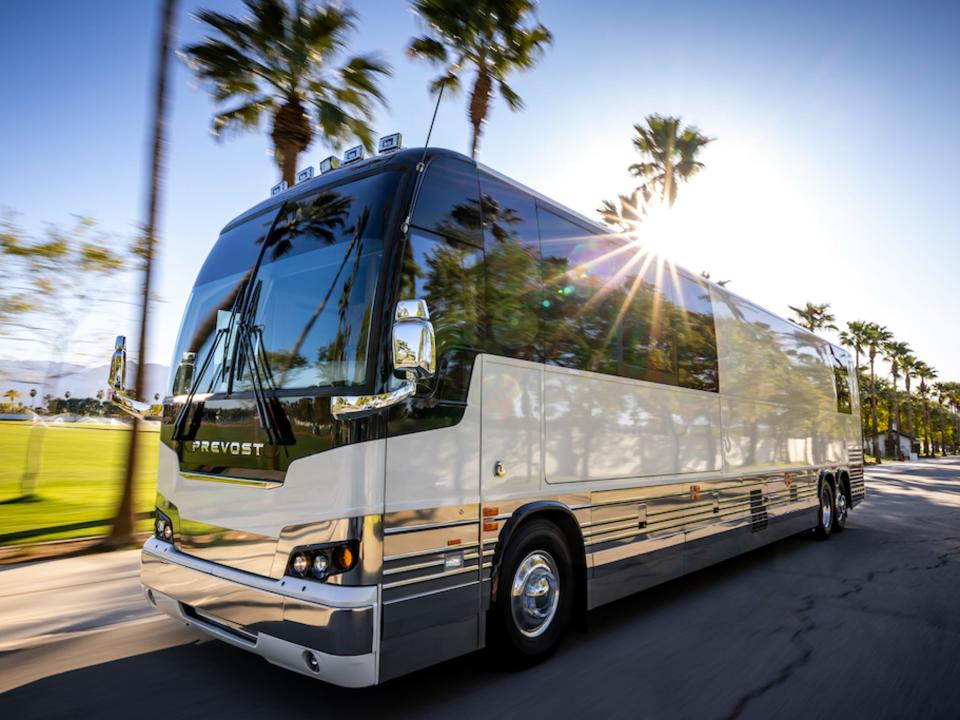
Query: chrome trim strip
{"points": [[431, 592], [427, 526], [332, 596], [426, 578], [421, 566], [231, 480], [417, 553]]}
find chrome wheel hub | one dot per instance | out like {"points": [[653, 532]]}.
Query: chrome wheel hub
{"points": [[535, 593], [826, 509], [841, 508]]}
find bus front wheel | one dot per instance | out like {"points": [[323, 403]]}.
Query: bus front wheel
{"points": [[535, 594]]}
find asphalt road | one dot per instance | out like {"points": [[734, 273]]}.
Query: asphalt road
{"points": [[866, 624]]}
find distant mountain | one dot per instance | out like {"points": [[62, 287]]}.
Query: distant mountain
{"points": [[79, 380]]}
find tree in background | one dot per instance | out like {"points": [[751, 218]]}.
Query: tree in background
{"points": [[627, 215], [282, 63], [13, 400], [122, 530], [876, 337], [491, 38], [814, 317], [670, 154], [895, 351], [854, 337], [925, 373], [908, 364]]}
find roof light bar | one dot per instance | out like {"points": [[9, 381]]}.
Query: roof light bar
{"points": [[278, 188], [329, 163], [353, 155], [389, 143], [304, 175]]}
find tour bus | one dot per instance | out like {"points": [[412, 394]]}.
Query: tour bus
{"points": [[417, 409]]}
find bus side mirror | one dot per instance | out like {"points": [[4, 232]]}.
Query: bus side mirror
{"points": [[414, 358], [414, 341], [117, 381]]}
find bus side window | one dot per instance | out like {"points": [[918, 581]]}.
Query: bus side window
{"points": [[841, 377], [650, 323], [446, 274], [580, 307], [512, 259], [697, 365], [449, 201]]}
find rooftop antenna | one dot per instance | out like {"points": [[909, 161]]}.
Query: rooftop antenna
{"points": [[421, 166]]}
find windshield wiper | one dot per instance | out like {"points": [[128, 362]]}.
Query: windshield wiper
{"points": [[273, 418], [223, 334]]}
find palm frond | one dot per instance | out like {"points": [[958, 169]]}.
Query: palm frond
{"points": [[514, 101], [244, 117], [429, 49]]}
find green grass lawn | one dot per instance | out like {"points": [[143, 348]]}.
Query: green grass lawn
{"points": [[78, 485]]}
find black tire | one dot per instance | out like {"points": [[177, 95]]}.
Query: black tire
{"points": [[534, 542], [841, 508], [826, 512]]}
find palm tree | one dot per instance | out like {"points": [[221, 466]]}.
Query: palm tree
{"points": [[12, 395], [908, 363], [895, 351], [814, 317], [925, 373], [630, 212], [669, 151], [877, 337], [854, 337], [33, 394], [491, 38], [278, 61], [122, 531], [941, 392]]}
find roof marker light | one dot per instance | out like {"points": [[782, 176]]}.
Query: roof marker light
{"points": [[353, 155], [278, 188], [389, 143], [304, 174], [328, 164]]}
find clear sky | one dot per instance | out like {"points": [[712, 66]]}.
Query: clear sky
{"points": [[834, 177]]}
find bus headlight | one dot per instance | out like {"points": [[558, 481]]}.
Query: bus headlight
{"points": [[322, 561], [163, 528]]}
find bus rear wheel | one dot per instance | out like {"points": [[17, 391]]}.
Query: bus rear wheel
{"points": [[534, 596], [841, 509], [825, 515]]}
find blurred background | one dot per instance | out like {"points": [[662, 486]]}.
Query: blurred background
{"points": [[826, 142]]}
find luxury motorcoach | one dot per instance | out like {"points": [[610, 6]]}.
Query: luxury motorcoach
{"points": [[417, 409]]}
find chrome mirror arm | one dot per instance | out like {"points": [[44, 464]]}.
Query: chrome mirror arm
{"points": [[414, 348], [353, 407], [117, 382]]}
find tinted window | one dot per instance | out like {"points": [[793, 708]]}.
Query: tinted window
{"points": [[311, 299], [696, 337], [841, 376], [446, 274], [649, 322], [581, 302], [449, 201], [514, 289]]}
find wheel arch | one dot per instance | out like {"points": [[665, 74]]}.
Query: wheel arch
{"points": [[563, 518]]}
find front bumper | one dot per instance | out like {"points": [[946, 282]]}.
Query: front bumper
{"points": [[325, 631]]}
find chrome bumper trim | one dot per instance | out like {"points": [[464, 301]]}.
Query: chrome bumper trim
{"points": [[285, 620]]}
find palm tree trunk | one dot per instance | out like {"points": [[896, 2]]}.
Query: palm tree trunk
{"points": [[895, 419], [479, 104], [906, 382], [122, 532], [873, 410]]}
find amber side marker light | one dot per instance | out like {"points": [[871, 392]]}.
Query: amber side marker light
{"points": [[344, 557]]}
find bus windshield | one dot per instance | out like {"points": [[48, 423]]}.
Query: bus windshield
{"points": [[312, 297]]}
